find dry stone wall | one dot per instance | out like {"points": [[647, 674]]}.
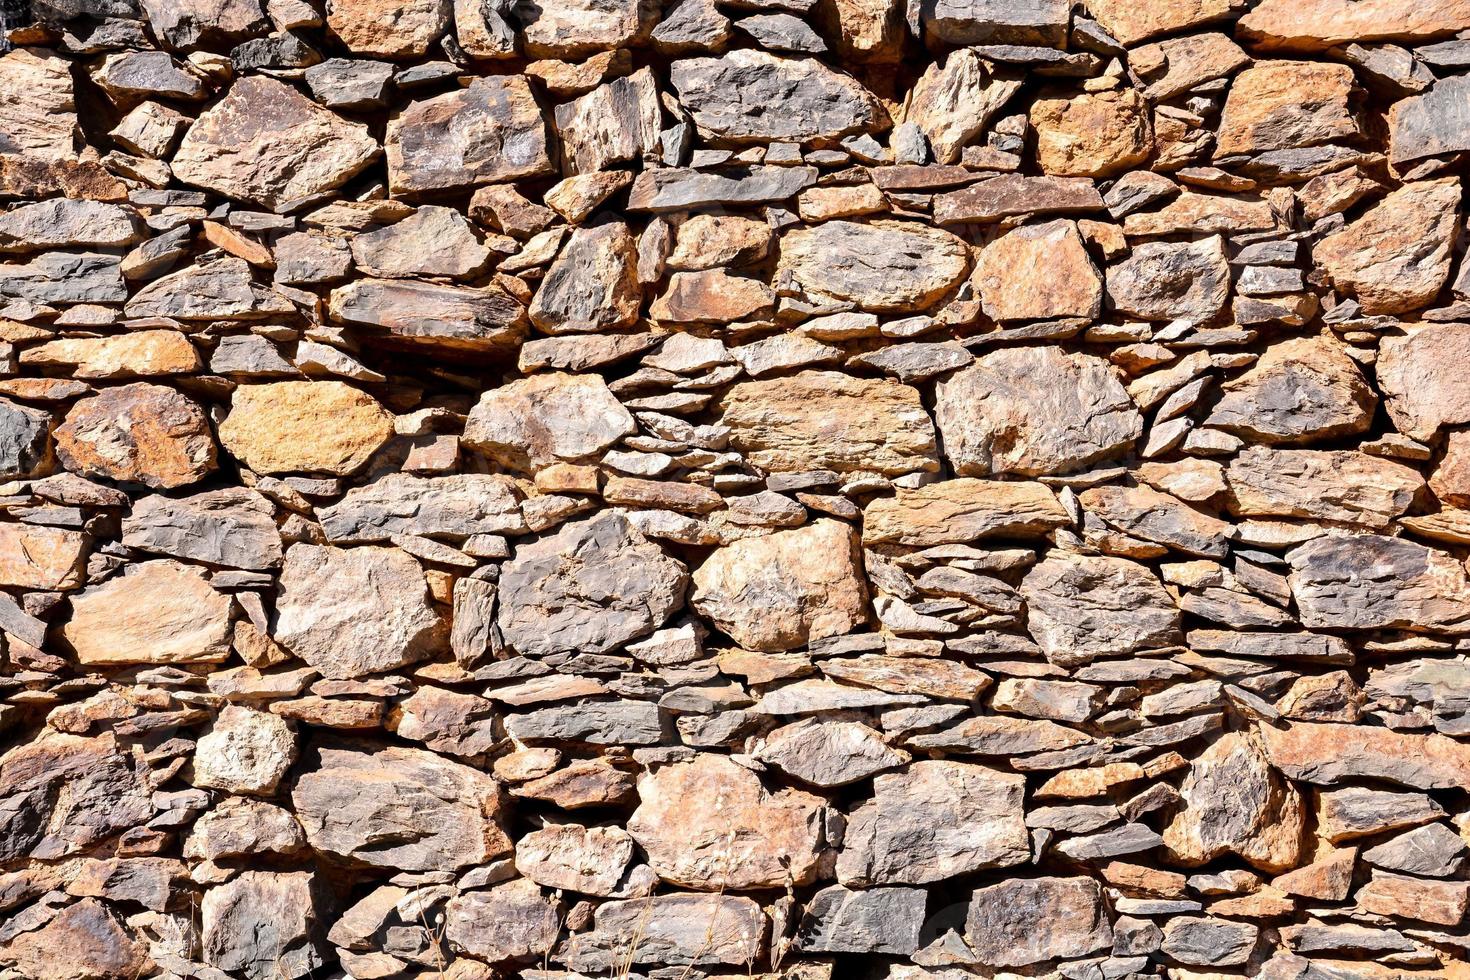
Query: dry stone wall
{"points": [[807, 489]]}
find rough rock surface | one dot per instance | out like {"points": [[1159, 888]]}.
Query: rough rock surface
{"points": [[796, 489]]}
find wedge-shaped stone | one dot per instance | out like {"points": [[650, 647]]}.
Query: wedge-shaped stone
{"points": [[709, 824], [592, 587], [350, 612], [220, 290], [1082, 607], [268, 144], [883, 267], [1331, 753], [1033, 410], [1298, 390], [953, 102], [1373, 582], [730, 98], [614, 123], [828, 420], [491, 130], [963, 510], [1144, 512], [537, 421], [935, 820], [1325, 485], [399, 808], [429, 317], [1396, 257], [786, 589], [160, 612]]}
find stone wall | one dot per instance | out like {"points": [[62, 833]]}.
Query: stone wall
{"points": [[806, 489]]}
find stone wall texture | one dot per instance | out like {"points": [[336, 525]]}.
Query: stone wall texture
{"points": [[799, 489]]}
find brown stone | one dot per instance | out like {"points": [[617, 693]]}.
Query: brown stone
{"points": [[38, 557], [962, 510], [881, 266], [137, 433], [1396, 257], [829, 420], [1282, 105], [1419, 374], [304, 426], [161, 612], [786, 589], [388, 30], [1091, 135], [1038, 272], [1298, 390], [1315, 25]]}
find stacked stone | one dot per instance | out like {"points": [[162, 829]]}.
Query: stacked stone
{"points": [[807, 489]]}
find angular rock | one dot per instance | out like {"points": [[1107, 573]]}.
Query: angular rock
{"points": [[137, 433], [1331, 753], [1093, 134], [575, 28], [1083, 607], [40, 112], [589, 860], [63, 794], [828, 420], [1030, 411], [615, 123], [266, 924], [709, 824], [1434, 124], [828, 754], [952, 103], [592, 285], [870, 920], [268, 144], [388, 30], [1285, 105], [1061, 280], [1340, 486], [730, 97], [85, 941], [513, 921], [1130, 23], [421, 316], [1172, 281], [1033, 920], [304, 426], [452, 507], [1396, 257], [438, 815], [232, 526], [1205, 941], [1043, 22], [1235, 803], [935, 820], [677, 929], [1298, 390], [350, 612], [160, 612], [786, 589], [145, 353], [40, 557], [24, 439], [962, 510], [592, 587], [490, 131], [1373, 582], [1421, 385], [244, 751], [1153, 516], [1315, 25]]}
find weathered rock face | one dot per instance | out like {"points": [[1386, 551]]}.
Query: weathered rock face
{"points": [[1031, 411], [354, 611], [785, 590], [443, 815], [884, 267], [709, 824], [800, 489], [935, 820], [731, 97], [592, 587], [267, 144], [826, 420]]}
